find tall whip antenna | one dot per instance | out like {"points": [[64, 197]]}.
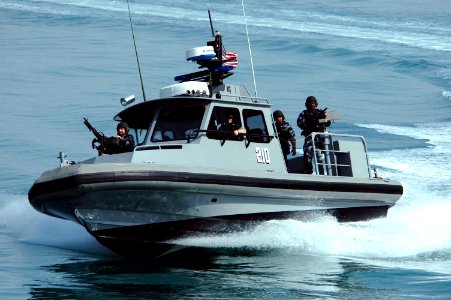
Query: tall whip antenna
{"points": [[250, 51], [211, 24], [136, 51]]}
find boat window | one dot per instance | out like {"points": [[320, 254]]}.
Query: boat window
{"points": [[219, 117], [140, 135], [255, 124], [178, 123]]}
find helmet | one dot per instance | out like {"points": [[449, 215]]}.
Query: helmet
{"points": [[310, 99], [122, 125], [277, 114]]}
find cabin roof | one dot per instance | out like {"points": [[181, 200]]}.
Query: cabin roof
{"points": [[140, 115]]}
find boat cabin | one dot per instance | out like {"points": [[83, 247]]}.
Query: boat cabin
{"points": [[184, 127]]}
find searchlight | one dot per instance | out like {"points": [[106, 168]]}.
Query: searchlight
{"points": [[128, 100]]}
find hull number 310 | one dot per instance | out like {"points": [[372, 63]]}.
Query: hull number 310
{"points": [[262, 155]]}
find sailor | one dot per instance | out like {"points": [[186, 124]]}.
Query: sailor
{"points": [[311, 120], [124, 141], [231, 128], [286, 134]]}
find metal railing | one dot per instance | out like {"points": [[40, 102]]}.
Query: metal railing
{"points": [[340, 155]]}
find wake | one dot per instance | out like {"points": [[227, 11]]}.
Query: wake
{"points": [[417, 225], [21, 222], [408, 230]]}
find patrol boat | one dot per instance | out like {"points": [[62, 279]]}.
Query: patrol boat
{"points": [[186, 178]]}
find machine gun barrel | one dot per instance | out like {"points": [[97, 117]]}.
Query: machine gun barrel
{"points": [[98, 135]]}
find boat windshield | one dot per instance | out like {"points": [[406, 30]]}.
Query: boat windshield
{"points": [[140, 135], [177, 123]]}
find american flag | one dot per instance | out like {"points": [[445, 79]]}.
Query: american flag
{"points": [[230, 59]]}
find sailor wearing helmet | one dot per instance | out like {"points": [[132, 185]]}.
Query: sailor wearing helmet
{"points": [[124, 141], [286, 134], [311, 120]]}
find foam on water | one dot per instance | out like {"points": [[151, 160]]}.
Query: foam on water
{"points": [[33, 227], [422, 169], [414, 231], [406, 231], [446, 94], [419, 223]]}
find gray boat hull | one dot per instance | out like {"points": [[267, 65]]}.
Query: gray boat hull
{"points": [[138, 208]]}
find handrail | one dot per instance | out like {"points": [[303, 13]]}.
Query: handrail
{"points": [[329, 159], [193, 135], [241, 98]]}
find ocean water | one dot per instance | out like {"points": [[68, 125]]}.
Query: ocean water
{"points": [[385, 66]]}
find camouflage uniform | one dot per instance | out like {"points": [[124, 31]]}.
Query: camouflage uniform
{"points": [[308, 121], [286, 134]]}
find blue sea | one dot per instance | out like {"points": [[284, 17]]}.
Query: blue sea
{"points": [[384, 65]]}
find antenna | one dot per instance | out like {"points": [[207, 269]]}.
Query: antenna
{"points": [[250, 52], [211, 24], [136, 51]]}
